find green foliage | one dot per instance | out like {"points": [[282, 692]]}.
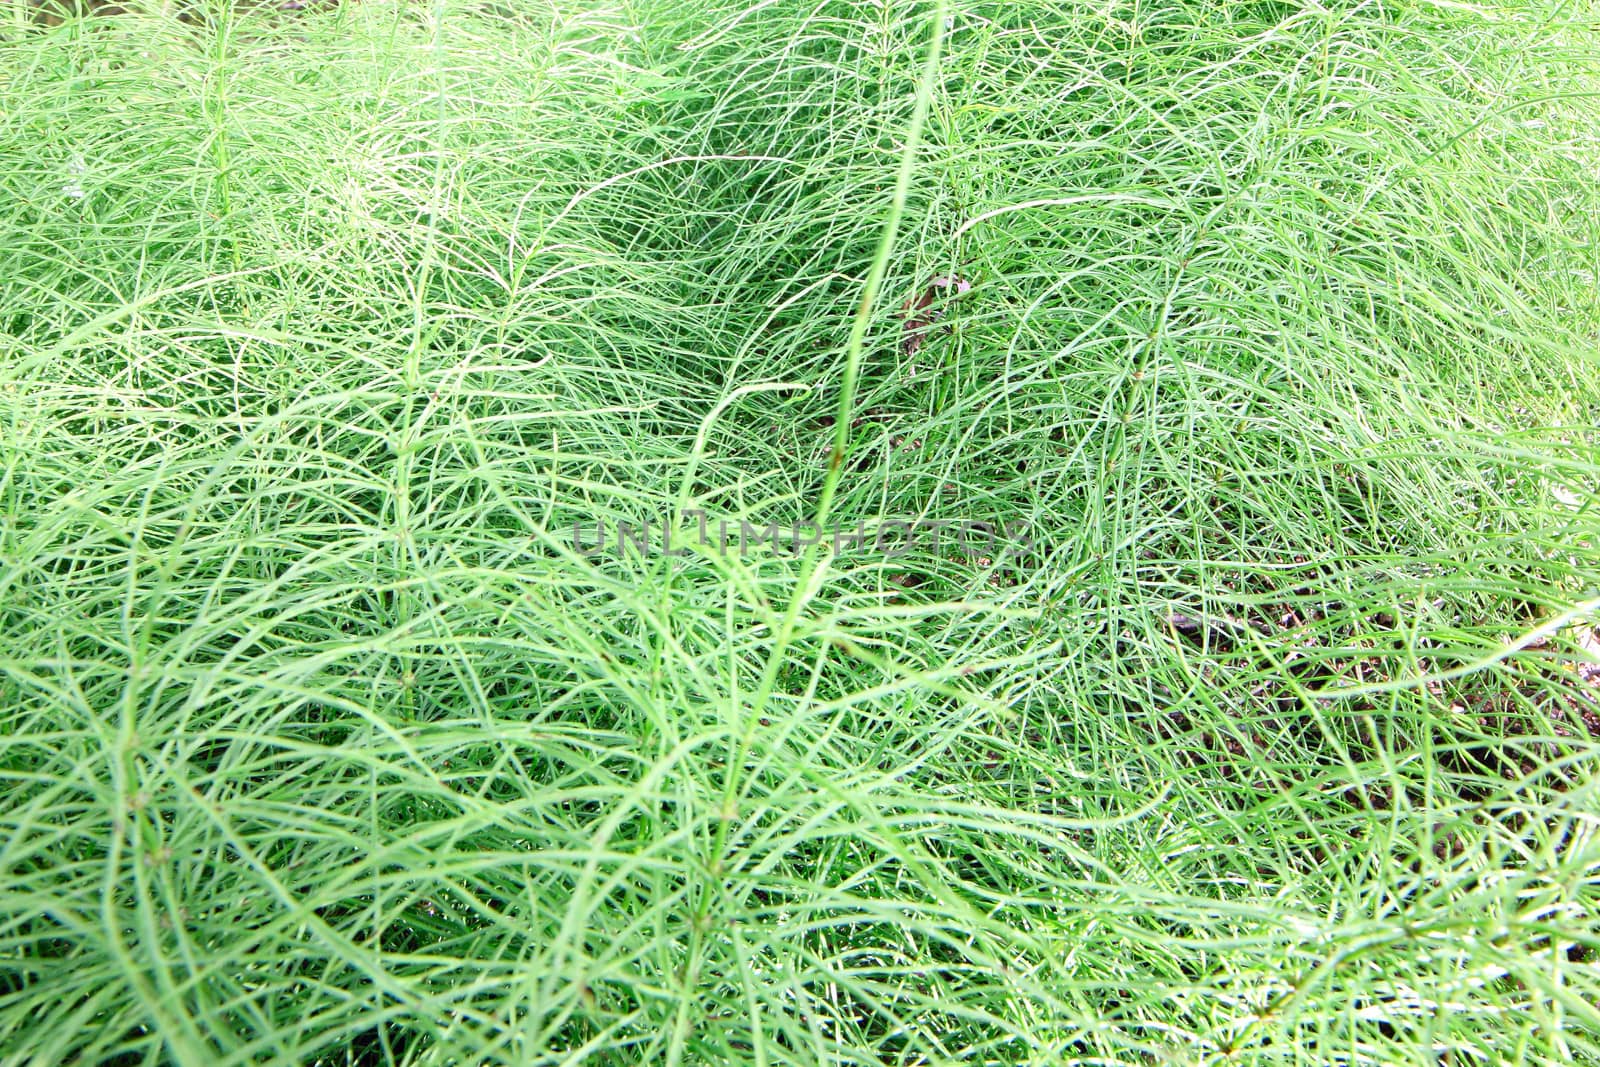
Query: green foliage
{"points": [[322, 742]]}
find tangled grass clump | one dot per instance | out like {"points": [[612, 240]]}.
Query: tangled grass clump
{"points": [[327, 737]]}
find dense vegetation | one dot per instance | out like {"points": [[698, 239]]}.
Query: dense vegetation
{"points": [[1259, 726]]}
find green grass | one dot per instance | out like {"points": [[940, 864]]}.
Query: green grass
{"points": [[1272, 741]]}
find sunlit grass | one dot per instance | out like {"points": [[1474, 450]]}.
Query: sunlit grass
{"points": [[1268, 739]]}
